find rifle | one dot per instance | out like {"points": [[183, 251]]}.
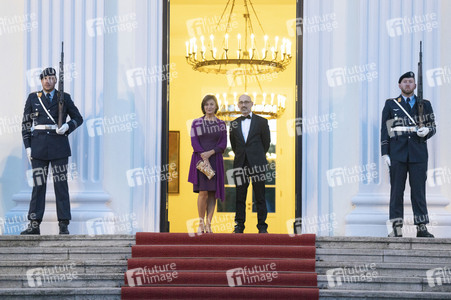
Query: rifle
{"points": [[61, 88], [420, 90]]}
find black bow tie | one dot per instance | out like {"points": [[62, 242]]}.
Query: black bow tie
{"points": [[245, 117]]}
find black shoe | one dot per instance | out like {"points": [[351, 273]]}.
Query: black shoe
{"points": [[63, 227], [397, 229], [262, 231], [422, 231], [238, 229], [33, 228]]}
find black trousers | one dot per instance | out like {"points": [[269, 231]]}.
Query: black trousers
{"points": [[417, 180], [40, 174], [258, 185]]}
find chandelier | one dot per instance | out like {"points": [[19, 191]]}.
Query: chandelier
{"points": [[258, 53], [246, 57], [269, 106]]}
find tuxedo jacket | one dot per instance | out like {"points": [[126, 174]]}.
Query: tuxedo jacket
{"points": [[405, 146], [255, 147], [47, 144]]}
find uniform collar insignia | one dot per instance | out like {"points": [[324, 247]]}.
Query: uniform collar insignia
{"points": [[399, 99], [39, 94]]}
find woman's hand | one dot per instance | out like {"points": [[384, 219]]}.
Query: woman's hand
{"points": [[206, 155]]}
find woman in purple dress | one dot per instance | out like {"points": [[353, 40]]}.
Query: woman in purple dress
{"points": [[209, 139]]}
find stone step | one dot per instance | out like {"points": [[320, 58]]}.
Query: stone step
{"points": [[106, 240], [81, 266], [62, 280], [383, 243], [383, 295], [383, 269], [63, 253], [382, 255], [99, 293], [366, 281]]}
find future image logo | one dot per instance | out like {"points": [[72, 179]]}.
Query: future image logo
{"points": [[347, 75], [250, 275], [438, 76], [358, 273], [410, 25], [438, 176], [438, 276], [312, 24], [40, 277], [111, 24], [345, 175]]}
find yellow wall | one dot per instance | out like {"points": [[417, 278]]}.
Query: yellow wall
{"points": [[187, 90]]}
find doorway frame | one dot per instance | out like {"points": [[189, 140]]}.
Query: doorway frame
{"points": [[164, 223]]}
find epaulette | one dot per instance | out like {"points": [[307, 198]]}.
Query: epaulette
{"points": [[399, 99]]}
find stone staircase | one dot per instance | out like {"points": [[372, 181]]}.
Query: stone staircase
{"points": [[92, 267], [383, 268], [62, 267]]}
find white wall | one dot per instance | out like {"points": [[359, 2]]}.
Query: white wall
{"points": [[104, 40], [367, 36], [359, 36]]}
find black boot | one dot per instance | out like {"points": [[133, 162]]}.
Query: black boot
{"points": [[397, 229], [33, 228], [422, 231], [63, 226]]}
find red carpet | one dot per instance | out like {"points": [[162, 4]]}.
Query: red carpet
{"points": [[221, 266]]}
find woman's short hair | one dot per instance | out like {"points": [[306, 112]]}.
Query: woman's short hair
{"points": [[204, 101]]}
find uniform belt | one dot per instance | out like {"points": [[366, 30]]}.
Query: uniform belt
{"points": [[404, 128], [45, 127]]}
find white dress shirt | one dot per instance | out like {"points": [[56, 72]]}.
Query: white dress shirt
{"points": [[245, 126]]}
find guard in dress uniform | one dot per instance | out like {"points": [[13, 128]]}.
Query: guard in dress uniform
{"points": [[404, 150], [46, 144]]}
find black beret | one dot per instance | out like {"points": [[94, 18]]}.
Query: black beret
{"points": [[48, 72], [409, 74]]}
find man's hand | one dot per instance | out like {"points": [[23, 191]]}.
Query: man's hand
{"points": [[387, 160], [28, 150], [423, 131], [62, 129]]}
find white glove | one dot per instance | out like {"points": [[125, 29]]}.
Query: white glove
{"points": [[387, 160], [423, 131], [62, 129], [28, 150]]}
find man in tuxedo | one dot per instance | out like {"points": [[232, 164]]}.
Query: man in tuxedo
{"points": [[250, 139], [404, 150], [45, 145]]}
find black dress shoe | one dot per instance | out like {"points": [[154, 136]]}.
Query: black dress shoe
{"points": [[262, 231], [238, 229], [422, 231], [397, 229], [33, 228], [63, 227], [397, 232]]}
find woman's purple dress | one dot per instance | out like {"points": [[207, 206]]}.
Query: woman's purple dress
{"points": [[205, 136]]}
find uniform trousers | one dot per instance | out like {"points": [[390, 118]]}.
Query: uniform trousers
{"points": [[40, 174], [417, 180]]}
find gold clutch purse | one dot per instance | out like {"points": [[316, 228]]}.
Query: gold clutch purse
{"points": [[206, 169]]}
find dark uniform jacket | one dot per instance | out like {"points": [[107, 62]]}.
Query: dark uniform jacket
{"points": [[405, 146], [256, 145], [47, 144]]}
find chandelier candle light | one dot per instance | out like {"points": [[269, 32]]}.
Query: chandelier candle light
{"points": [[211, 61]]}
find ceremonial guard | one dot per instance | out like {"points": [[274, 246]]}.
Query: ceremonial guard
{"points": [[46, 144], [407, 123]]}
